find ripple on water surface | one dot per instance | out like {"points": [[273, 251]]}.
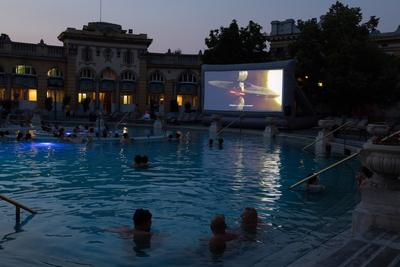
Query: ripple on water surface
{"points": [[81, 192]]}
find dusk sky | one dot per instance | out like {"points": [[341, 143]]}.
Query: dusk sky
{"points": [[171, 24]]}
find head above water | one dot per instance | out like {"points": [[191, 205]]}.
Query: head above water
{"points": [[249, 216], [142, 220], [218, 225]]}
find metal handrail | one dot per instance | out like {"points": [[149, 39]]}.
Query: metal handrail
{"points": [[123, 118], [229, 124], [389, 136], [337, 163], [18, 207], [330, 133], [324, 170]]}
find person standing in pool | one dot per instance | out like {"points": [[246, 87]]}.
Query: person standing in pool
{"points": [[249, 219], [141, 231], [217, 243]]}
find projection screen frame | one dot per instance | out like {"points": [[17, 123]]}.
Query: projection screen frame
{"points": [[288, 84]]}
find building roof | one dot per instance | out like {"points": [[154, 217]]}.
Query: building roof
{"points": [[105, 32]]}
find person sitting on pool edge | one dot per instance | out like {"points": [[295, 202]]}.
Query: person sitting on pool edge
{"points": [[141, 161], [217, 243]]}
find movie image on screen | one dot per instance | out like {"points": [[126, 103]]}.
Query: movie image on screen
{"points": [[244, 90]]}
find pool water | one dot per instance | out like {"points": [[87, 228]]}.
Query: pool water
{"points": [[83, 191]]}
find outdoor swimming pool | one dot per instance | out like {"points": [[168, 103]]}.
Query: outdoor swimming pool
{"points": [[83, 191]]}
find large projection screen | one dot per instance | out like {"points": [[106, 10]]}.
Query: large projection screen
{"points": [[247, 90], [254, 88]]}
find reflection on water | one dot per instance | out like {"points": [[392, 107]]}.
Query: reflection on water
{"points": [[81, 190]]}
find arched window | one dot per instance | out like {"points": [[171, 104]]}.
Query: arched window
{"points": [[24, 70], [156, 77], [187, 77], [128, 76], [87, 73], [108, 74], [55, 72]]}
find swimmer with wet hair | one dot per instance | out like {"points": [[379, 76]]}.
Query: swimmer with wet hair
{"points": [[217, 243], [249, 219], [141, 161]]}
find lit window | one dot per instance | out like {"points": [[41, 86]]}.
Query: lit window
{"points": [[56, 95], [320, 84], [126, 99], [179, 99], [32, 95], [24, 70], [194, 104], [54, 72], [81, 97]]}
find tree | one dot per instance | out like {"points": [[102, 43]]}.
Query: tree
{"points": [[339, 66], [236, 45]]}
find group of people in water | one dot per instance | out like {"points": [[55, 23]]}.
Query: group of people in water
{"points": [[142, 221]]}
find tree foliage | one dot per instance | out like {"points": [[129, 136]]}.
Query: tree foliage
{"points": [[229, 45], [338, 54]]}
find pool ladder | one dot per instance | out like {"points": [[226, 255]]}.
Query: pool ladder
{"points": [[232, 122], [18, 207]]}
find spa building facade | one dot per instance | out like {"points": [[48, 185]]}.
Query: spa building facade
{"points": [[113, 69], [102, 62]]}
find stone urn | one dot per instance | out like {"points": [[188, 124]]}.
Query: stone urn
{"points": [[380, 194], [326, 123]]}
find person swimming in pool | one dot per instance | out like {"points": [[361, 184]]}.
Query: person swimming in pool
{"points": [[141, 231], [141, 161], [217, 243], [249, 219]]}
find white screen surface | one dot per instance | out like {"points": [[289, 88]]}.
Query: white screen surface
{"points": [[243, 90]]}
